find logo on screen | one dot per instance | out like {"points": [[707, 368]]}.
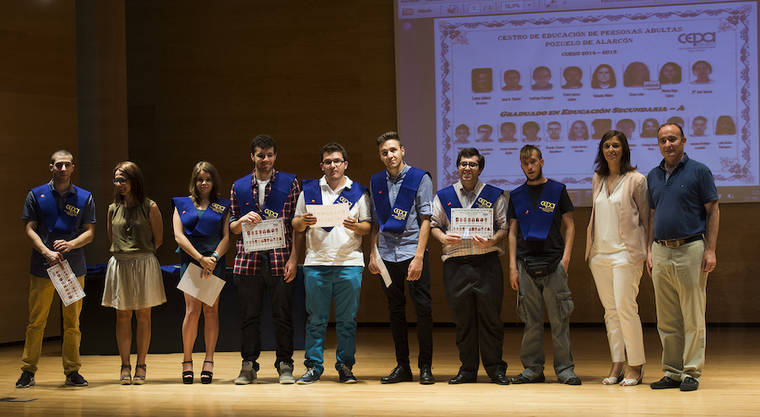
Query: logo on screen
{"points": [[697, 39]]}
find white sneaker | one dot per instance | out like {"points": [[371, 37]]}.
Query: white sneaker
{"points": [[247, 374]]}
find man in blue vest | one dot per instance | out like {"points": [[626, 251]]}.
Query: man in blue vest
{"points": [[472, 274], [60, 220], [401, 216], [334, 263], [683, 232], [538, 261], [265, 194]]}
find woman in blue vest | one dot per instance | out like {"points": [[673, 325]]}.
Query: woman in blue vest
{"points": [[133, 278], [616, 248], [201, 230]]}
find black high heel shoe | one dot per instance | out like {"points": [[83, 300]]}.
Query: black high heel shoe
{"points": [[187, 376], [207, 376]]}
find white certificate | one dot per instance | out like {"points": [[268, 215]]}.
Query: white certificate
{"points": [[205, 289], [328, 215], [472, 222], [65, 282], [383, 270], [268, 234]]}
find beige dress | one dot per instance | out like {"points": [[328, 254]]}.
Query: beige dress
{"points": [[133, 278]]}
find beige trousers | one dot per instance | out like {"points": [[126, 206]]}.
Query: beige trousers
{"points": [[680, 293]]}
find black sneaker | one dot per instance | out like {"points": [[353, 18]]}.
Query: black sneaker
{"points": [[73, 379], [689, 384], [345, 375], [26, 380], [665, 383], [311, 375]]}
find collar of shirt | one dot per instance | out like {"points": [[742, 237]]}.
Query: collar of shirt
{"points": [[682, 162], [326, 187], [66, 192], [468, 197], [398, 177], [255, 181]]}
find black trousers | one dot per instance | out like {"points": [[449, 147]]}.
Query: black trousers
{"points": [[474, 290], [251, 291], [419, 292]]}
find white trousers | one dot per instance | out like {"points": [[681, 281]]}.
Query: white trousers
{"points": [[617, 282]]}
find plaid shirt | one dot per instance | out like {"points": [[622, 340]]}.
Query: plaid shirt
{"points": [[249, 263]]}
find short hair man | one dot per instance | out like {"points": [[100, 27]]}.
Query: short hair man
{"points": [[699, 126], [401, 225], [265, 194], [507, 130], [484, 133], [554, 129], [472, 274], [683, 230], [530, 132], [59, 220], [334, 263], [462, 133], [538, 260]]}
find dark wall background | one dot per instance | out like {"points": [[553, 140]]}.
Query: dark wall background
{"points": [[168, 83]]}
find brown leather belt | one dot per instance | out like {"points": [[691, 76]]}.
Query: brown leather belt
{"points": [[674, 243]]}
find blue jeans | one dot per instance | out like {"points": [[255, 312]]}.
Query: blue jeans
{"points": [[323, 284]]}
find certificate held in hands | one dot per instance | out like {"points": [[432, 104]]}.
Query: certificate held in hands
{"points": [[472, 222], [205, 289], [328, 215], [266, 235], [65, 283]]}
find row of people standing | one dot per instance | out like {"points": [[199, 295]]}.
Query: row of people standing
{"points": [[402, 217]]}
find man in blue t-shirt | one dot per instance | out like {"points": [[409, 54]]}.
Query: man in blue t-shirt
{"points": [[682, 234], [59, 219]]}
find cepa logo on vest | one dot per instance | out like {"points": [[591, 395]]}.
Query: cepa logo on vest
{"points": [[547, 206], [71, 210], [216, 207], [482, 202], [399, 214], [697, 40], [271, 213], [343, 200]]}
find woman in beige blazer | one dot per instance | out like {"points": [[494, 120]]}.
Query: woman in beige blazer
{"points": [[616, 250]]}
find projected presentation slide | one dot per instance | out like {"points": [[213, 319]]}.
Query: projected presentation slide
{"points": [[560, 80]]}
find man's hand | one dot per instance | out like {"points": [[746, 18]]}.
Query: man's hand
{"points": [[309, 219], [482, 242], [291, 267], [251, 217], [52, 257], [649, 262], [351, 224], [514, 279], [453, 239], [565, 263], [372, 266], [709, 261], [415, 269], [63, 246]]}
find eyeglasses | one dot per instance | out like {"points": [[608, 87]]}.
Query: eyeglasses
{"points": [[119, 180], [468, 164], [328, 162]]}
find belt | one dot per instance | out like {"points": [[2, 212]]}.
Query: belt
{"points": [[674, 243]]}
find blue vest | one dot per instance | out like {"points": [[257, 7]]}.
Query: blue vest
{"points": [[57, 221], [273, 203], [207, 223], [312, 194], [535, 222], [395, 222], [486, 199]]}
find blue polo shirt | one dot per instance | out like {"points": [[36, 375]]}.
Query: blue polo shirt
{"points": [[679, 201]]}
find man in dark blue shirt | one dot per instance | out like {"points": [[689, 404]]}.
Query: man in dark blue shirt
{"points": [[682, 235], [59, 219]]}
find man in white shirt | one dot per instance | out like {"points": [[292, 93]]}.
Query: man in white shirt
{"points": [[334, 263]]}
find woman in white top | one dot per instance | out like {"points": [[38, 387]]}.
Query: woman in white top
{"points": [[616, 250]]}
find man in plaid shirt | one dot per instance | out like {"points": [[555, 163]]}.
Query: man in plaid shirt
{"points": [[262, 195]]}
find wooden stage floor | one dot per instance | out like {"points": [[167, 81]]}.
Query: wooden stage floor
{"points": [[730, 386]]}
